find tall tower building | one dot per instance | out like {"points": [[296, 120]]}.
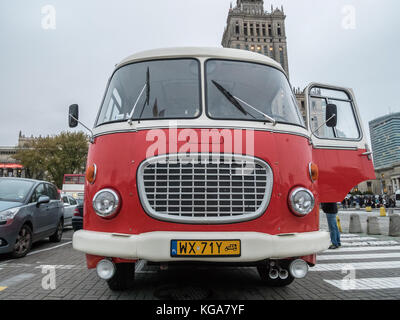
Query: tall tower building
{"points": [[385, 138], [250, 27]]}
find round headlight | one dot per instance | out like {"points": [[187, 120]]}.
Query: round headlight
{"points": [[106, 203], [301, 201]]}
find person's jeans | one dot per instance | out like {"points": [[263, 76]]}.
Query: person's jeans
{"points": [[333, 229]]}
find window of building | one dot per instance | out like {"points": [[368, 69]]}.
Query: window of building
{"points": [[237, 28], [247, 47], [281, 57], [246, 31], [269, 30], [279, 29], [238, 46], [251, 29], [264, 31], [258, 30]]}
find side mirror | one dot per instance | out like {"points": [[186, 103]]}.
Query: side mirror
{"points": [[42, 200], [331, 115], [73, 116]]}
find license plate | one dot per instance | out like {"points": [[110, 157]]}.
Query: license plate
{"points": [[205, 248]]}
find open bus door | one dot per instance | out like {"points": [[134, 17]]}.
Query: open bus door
{"points": [[340, 147]]}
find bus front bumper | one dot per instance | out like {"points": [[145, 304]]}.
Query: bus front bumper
{"points": [[156, 246]]}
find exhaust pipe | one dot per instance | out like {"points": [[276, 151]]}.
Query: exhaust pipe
{"points": [[283, 274], [274, 273]]}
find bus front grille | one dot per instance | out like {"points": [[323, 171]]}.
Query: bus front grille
{"points": [[204, 188]]}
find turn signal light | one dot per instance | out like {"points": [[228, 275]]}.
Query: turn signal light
{"points": [[91, 173], [314, 172]]}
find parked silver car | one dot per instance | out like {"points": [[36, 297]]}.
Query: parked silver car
{"points": [[70, 204], [30, 210]]}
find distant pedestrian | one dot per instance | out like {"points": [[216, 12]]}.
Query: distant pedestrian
{"points": [[331, 211]]}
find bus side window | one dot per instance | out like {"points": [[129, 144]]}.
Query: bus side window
{"points": [[346, 128]]}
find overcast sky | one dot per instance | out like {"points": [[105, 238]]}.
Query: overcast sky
{"points": [[43, 71]]}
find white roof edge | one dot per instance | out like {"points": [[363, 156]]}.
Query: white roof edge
{"points": [[212, 52]]}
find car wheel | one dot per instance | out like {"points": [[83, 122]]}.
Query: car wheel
{"points": [[123, 278], [57, 236], [23, 243], [263, 271]]}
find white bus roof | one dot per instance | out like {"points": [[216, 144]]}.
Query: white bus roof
{"points": [[209, 52]]}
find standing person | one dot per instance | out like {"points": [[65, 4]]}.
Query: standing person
{"points": [[331, 211]]}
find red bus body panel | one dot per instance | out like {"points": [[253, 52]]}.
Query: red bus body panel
{"points": [[340, 171]]}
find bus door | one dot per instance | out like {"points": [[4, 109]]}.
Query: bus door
{"points": [[340, 147]]}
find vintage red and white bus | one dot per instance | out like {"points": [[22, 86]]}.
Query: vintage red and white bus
{"points": [[202, 155]]}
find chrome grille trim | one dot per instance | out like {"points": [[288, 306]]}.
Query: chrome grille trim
{"points": [[204, 188]]}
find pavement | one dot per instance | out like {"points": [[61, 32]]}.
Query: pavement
{"points": [[364, 268]]}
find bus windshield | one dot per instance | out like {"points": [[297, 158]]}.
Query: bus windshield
{"points": [[264, 88], [160, 89]]}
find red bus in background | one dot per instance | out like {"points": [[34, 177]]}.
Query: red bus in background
{"points": [[73, 185]]}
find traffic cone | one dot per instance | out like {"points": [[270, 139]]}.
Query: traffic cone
{"points": [[338, 224], [383, 211]]}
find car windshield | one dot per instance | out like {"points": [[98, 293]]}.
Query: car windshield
{"points": [[162, 89], [14, 190], [265, 88]]}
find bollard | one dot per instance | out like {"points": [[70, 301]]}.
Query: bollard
{"points": [[373, 226], [338, 224], [358, 206], [355, 224], [390, 212], [394, 226], [368, 209], [383, 211]]}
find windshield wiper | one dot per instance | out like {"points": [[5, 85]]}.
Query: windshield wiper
{"points": [[147, 87], [230, 97], [234, 100]]}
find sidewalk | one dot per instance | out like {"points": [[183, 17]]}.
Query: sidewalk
{"points": [[344, 216]]}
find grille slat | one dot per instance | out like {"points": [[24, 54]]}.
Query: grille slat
{"points": [[201, 188]]}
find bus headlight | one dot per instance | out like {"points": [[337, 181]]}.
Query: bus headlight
{"points": [[106, 203], [301, 201]]}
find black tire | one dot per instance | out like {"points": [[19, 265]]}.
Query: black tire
{"points": [[23, 243], [263, 271], [57, 236], [123, 278]]}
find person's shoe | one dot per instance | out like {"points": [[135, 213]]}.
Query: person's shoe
{"points": [[332, 247]]}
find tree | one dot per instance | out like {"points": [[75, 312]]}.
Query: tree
{"points": [[50, 158]]}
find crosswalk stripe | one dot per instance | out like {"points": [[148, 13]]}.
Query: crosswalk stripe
{"points": [[369, 243], [356, 266], [359, 256], [366, 283], [360, 249], [357, 238]]}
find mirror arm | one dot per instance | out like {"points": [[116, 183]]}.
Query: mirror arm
{"points": [[91, 132], [333, 116]]}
